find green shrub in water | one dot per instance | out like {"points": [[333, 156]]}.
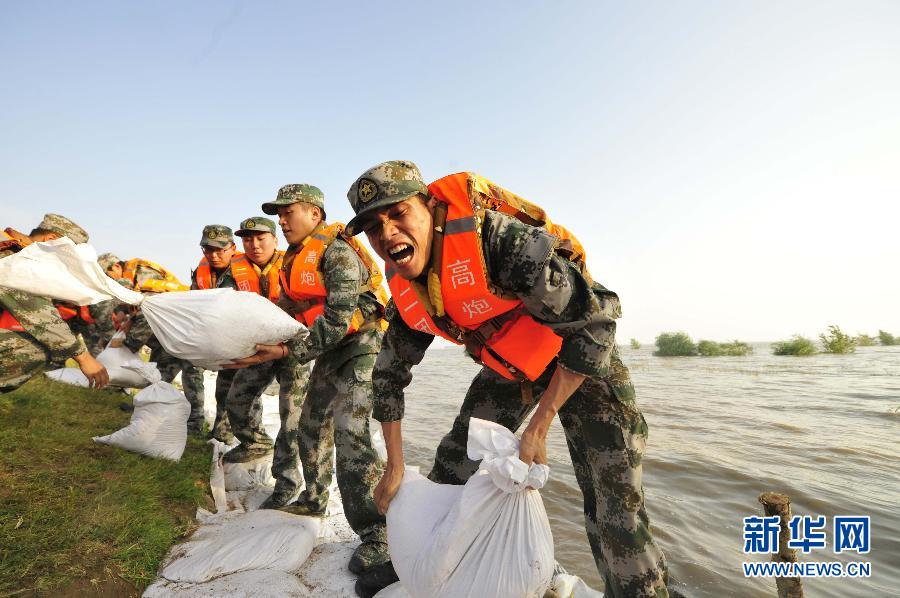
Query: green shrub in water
{"points": [[886, 338], [798, 345], [864, 340], [675, 344], [733, 349], [835, 341], [635, 344]]}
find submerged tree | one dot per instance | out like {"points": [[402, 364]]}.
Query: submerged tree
{"points": [[864, 340], [835, 341], [733, 349], [635, 344], [886, 339], [798, 345], [675, 344]]}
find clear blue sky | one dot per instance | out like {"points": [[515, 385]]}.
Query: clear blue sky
{"points": [[733, 168]]}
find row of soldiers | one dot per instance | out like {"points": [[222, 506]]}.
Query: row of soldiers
{"points": [[465, 260]]}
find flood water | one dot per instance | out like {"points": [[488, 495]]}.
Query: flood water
{"points": [[822, 429]]}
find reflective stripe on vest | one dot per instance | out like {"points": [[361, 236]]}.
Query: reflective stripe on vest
{"points": [[517, 346]]}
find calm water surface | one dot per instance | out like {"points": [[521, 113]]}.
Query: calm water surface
{"points": [[822, 429]]}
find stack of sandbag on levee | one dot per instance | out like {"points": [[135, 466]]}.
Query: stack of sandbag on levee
{"points": [[158, 425], [240, 551], [489, 537], [115, 360], [213, 327]]}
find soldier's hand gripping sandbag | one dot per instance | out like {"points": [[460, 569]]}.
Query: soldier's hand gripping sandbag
{"points": [[158, 425], [490, 537], [61, 270], [213, 327]]}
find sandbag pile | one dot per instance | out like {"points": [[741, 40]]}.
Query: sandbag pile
{"points": [[158, 425], [212, 327], [490, 537]]}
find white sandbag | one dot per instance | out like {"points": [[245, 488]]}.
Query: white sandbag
{"points": [[266, 539], [248, 475], [114, 360], [490, 537], [62, 270], [158, 425], [71, 376], [213, 327]]}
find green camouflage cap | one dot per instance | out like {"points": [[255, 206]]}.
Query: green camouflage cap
{"points": [[294, 193], [108, 260], [256, 224], [217, 235], [381, 186], [63, 226]]}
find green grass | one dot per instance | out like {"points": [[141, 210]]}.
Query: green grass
{"points": [[674, 344], [732, 349], [797, 346], [834, 340], [77, 517]]}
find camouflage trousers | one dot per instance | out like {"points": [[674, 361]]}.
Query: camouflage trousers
{"points": [[244, 405], [20, 360], [191, 380], [335, 420], [606, 436]]}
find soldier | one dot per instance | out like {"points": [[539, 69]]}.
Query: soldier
{"points": [[256, 271], [463, 264], [140, 275], [148, 277], [332, 285], [214, 272], [33, 334]]}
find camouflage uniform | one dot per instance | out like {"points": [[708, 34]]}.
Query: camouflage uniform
{"points": [[604, 428], [244, 402], [96, 335], [218, 235], [47, 338], [335, 414]]}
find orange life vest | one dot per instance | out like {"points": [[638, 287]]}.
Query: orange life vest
{"points": [[305, 284], [203, 273], [11, 239], [246, 278], [9, 322], [169, 281], [496, 330]]}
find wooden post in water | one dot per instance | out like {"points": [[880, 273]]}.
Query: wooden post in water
{"points": [[780, 504]]}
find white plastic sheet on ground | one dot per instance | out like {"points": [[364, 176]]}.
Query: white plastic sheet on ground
{"points": [[213, 327], [490, 537], [62, 270], [158, 425]]}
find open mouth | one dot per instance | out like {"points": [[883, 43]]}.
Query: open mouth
{"points": [[401, 253]]}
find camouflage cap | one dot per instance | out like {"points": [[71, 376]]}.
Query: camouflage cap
{"points": [[217, 235], [256, 224], [383, 185], [64, 227], [108, 260], [294, 193]]}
